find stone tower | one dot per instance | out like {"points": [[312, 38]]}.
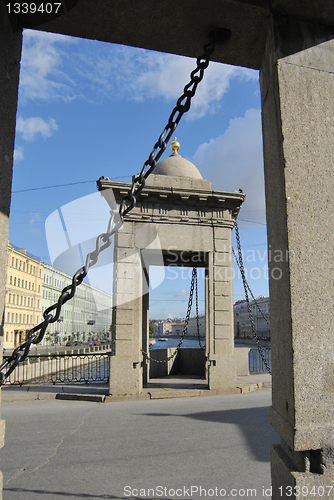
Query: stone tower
{"points": [[178, 220]]}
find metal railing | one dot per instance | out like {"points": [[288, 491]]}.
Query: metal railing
{"points": [[62, 368], [255, 361], [68, 367]]}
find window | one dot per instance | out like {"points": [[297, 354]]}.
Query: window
{"points": [[14, 281], [10, 280], [18, 282], [13, 261], [8, 318], [9, 298], [12, 317], [24, 318], [16, 318]]}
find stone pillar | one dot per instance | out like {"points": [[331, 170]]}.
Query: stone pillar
{"points": [[10, 55], [297, 87], [222, 371], [125, 365]]}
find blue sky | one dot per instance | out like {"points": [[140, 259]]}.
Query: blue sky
{"points": [[88, 108]]}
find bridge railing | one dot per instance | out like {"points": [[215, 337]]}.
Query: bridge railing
{"points": [[59, 368], [255, 361], [70, 367]]}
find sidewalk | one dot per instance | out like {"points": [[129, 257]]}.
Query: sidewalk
{"points": [[193, 448], [161, 388]]}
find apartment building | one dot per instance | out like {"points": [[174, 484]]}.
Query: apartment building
{"points": [[33, 286], [242, 324], [87, 315], [23, 295]]}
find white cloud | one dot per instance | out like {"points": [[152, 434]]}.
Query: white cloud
{"points": [[165, 75], [55, 66], [18, 153], [181, 293], [234, 160], [41, 75], [31, 127]]}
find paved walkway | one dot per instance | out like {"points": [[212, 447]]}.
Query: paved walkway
{"points": [[173, 448]]}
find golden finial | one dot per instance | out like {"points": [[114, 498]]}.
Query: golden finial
{"points": [[175, 146]]}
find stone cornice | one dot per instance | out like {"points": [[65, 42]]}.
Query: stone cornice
{"points": [[179, 205]]}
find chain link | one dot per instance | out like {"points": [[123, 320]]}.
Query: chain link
{"points": [[127, 203], [250, 291], [182, 106], [246, 286], [21, 352]]}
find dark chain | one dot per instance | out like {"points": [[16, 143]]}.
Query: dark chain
{"points": [[185, 327], [244, 281], [21, 352], [103, 241], [182, 106]]}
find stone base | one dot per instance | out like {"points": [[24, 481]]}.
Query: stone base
{"points": [[126, 377], [289, 483], [222, 372]]}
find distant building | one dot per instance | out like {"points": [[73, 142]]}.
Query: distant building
{"points": [[242, 324], [165, 328], [85, 316], [192, 326], [177, 328], [33, 286], [23, 295]]}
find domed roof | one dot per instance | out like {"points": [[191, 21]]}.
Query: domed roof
{"points": [[177, 166]]}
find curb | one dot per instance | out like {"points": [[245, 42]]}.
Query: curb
{"points": [[81, 397], [145, 395]]}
